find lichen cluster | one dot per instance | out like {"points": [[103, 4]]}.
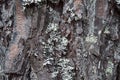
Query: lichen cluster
{"points": [[109, 69], [66, 69], [57, 42], [91, 39], [27, 2]]}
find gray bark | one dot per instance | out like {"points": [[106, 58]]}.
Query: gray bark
{"points": [[60, 40]]}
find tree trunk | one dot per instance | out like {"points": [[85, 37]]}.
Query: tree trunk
{"points": [[60, 40]]}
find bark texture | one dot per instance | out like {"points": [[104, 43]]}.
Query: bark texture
{"points": [[60, 40]]}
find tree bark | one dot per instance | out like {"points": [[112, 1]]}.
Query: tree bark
{"points": [[60, 40]]}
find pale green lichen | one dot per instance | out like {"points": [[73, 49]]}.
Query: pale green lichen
{"points": [[57, 42], [107, 30], [109, 69], [54, 42], [66, 69], [91, 38], [55, 38]]}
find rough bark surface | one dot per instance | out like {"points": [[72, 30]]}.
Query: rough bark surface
{"points": [[60, 40]]}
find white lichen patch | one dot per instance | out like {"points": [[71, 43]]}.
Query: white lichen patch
{"points": [[55, 37], [107, 31], [63, 43], [66, 69], [54, 74], [118, 1], [52, 27], [48, 61], [57, 42], [109, 68], [63, 62], [91, 38], [27, 2]]}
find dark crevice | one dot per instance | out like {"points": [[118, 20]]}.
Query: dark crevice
{"points": [[118, 72], [56, 6]]}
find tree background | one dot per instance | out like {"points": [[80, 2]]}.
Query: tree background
{"points": [[60, 40]]}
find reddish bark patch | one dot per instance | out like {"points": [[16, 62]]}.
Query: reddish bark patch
{"points": [[20, 20], [100, 8], [14, 48], [77, 8]]}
